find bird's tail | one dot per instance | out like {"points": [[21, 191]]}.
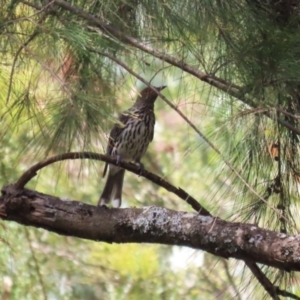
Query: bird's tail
{"points": [[113, 188]]}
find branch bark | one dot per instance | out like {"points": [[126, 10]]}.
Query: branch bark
{"points": [[151, 225]]}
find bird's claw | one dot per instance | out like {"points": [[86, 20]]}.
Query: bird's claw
{"points": [[103, 205]]}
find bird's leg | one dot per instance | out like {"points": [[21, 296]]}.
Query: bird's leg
{"points": [[141, 166], [118, 160]]}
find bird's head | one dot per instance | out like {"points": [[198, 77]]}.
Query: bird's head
{"points": [[148, 96]]}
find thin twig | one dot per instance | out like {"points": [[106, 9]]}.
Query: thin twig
{"points": [[279, 109], [286, 294], [230, 279], [35, 33], [263, 280], [31, 172], [23, 46]]}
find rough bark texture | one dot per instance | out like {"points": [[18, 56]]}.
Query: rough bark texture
{"points": [[151, 225]]}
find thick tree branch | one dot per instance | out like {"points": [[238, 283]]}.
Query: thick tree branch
{"points": [[151, 225], [31, 172]]}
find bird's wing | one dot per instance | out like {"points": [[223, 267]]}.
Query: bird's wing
{"points": [[114, 133], [152, 134]]}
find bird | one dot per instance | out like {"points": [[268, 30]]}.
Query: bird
{"points": [[128, 141]]}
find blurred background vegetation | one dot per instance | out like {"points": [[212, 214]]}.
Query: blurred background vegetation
{"points": [[60, 92]]}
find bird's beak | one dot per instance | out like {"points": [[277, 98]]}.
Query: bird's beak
{"points": [[161, 87]]}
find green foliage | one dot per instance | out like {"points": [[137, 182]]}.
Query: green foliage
{"points": [[59, 92]]}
